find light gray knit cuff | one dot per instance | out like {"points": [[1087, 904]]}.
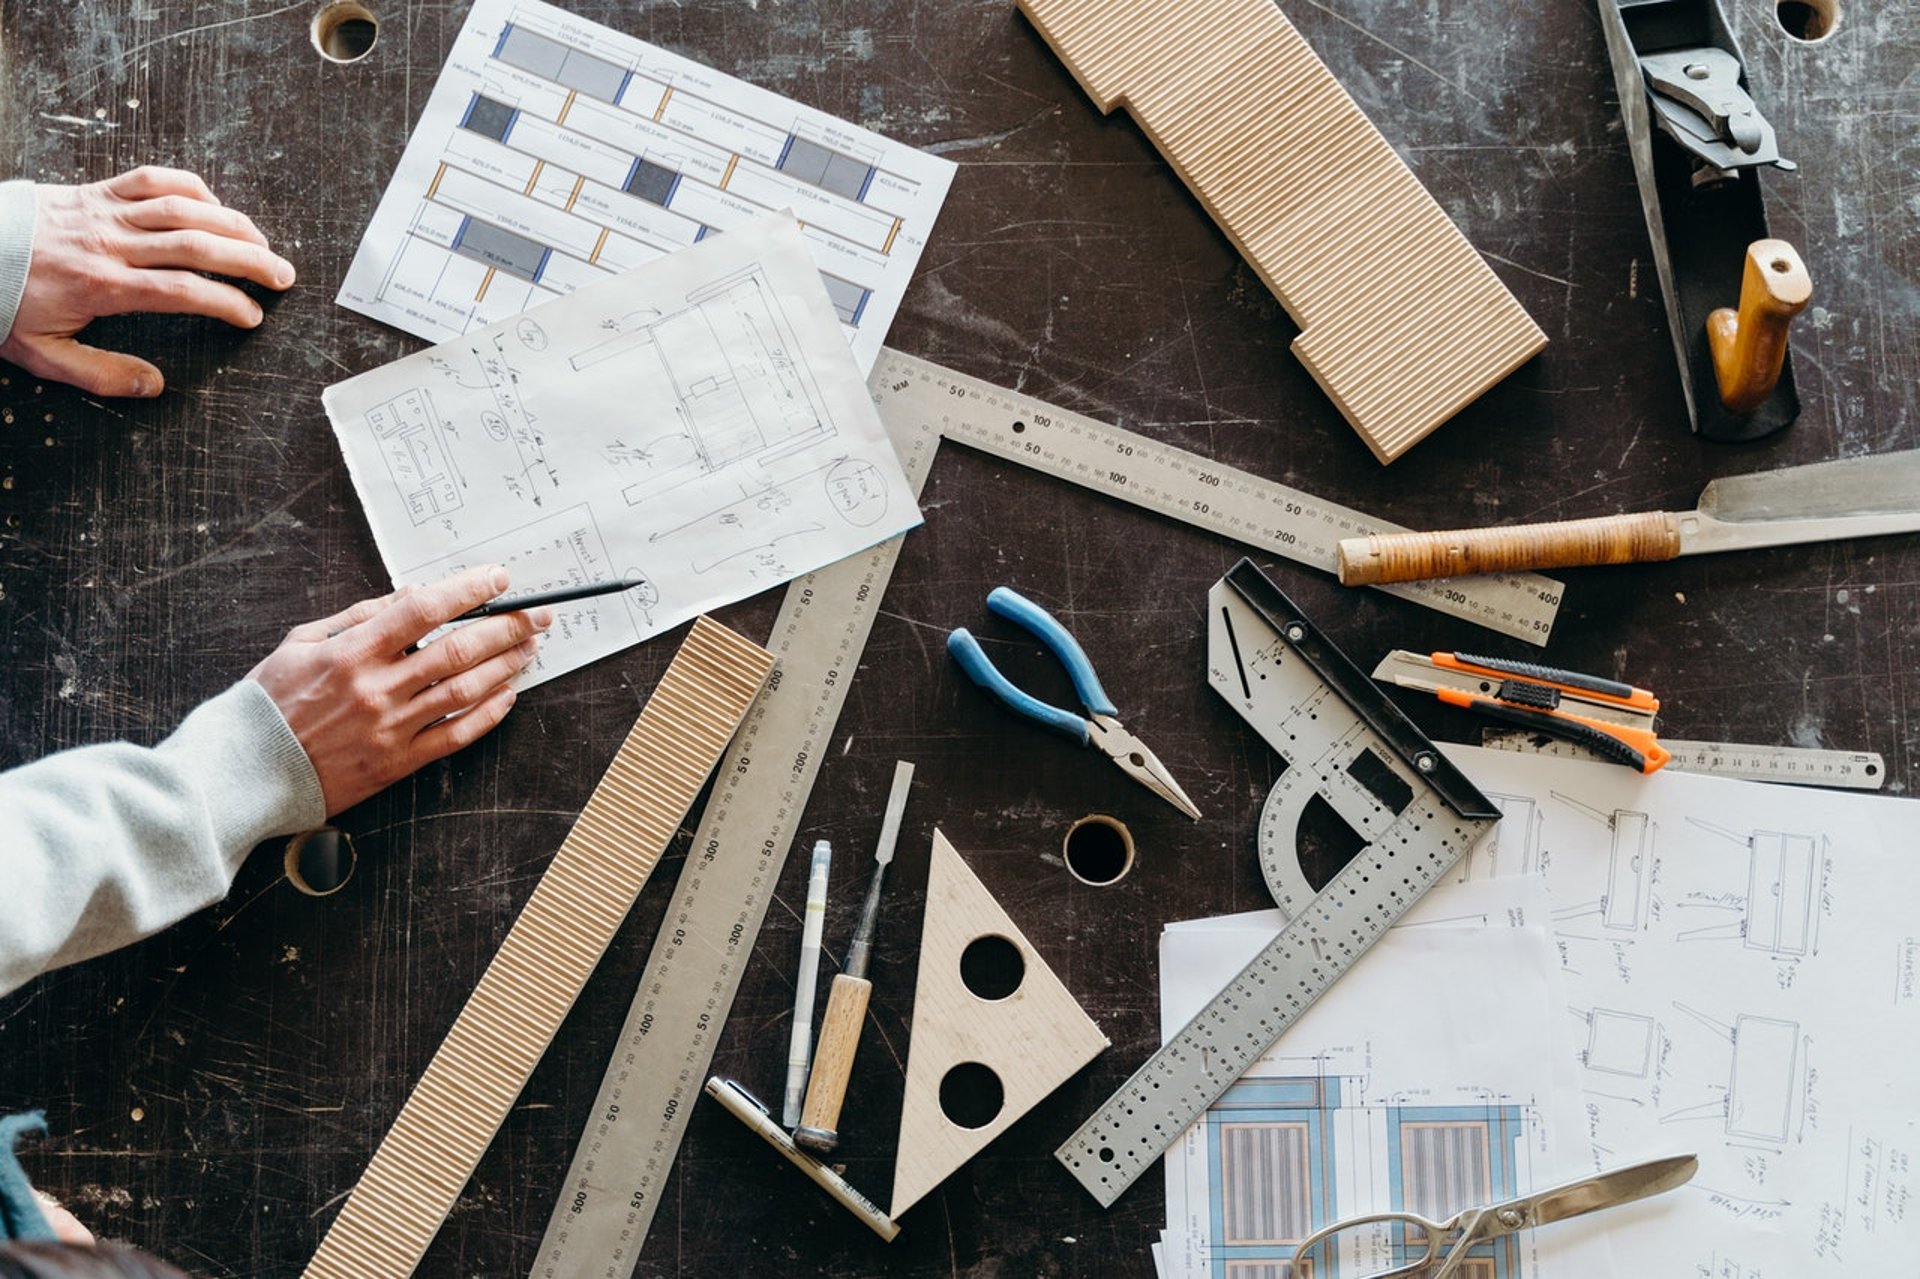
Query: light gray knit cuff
{"points": [[258, 781], [18, 209]]}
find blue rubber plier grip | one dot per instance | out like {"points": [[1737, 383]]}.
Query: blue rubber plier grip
{"points": [[1059, 641]]}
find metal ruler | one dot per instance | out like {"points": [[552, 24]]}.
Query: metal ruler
{"points": [[1791, 765], [662, 1054], [1347, 744], [661, 1057], [1187, 487]]}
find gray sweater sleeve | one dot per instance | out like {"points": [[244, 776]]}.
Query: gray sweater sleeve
{"points": [[104, 845], [18, 209]]}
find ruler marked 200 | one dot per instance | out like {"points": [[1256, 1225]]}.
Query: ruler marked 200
{"points": [[1186, 486]]}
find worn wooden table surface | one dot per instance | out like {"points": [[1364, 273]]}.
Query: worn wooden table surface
{"points": [[215, 1092]]}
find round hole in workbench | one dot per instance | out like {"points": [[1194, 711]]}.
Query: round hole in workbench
{"points": [[1098, 850], [992, 967], [345, 31], [971, 1095], [1809, 21]]}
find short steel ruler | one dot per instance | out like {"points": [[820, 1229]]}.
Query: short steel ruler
{"points": [[661, 1058], [1187, 487], [1346, 743], [1791, 765]]}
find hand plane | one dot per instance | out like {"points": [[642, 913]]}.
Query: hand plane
{"points": [[1698, 143]]}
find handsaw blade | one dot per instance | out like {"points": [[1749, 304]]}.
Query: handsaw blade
{"points": [[1824, 501]]}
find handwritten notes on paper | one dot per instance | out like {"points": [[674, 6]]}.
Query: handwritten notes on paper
{"points": [[698, 423]]}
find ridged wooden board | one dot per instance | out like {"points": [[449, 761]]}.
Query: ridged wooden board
{"points": [[567, 924], [1402, 323], [1033, 1039]]}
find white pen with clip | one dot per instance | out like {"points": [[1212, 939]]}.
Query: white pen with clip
{"points": [[800, 1047]]}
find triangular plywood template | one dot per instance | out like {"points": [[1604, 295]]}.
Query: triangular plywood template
{"points": [[1032, 1039], [1402, 323]]}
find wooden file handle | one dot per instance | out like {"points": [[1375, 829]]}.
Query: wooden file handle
{"points": [[819, 1129], [1414, 557], [1750, 346]]}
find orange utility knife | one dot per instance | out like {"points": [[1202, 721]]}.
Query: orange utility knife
{"points": [[1611, 719]]}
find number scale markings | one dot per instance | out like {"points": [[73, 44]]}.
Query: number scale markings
{"points": [[1347, 744], [1188, 487], [663, 1052], [1787, 765]]}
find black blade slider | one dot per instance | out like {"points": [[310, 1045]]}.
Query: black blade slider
{"points": [[1366, 698]]}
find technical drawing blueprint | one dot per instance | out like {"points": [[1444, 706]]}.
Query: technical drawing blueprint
{"points": [[1362, 1110], [697, 425], [1741, 963], [555, 152]]}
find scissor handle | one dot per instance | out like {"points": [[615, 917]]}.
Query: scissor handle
{"points": [[973, 660], [1435, 1232], [1016, 607]]}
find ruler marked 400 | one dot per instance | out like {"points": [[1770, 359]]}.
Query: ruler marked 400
{"points": [[1188, 487]]}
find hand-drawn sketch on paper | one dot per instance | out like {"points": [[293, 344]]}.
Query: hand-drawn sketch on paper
{"points": [[554, 152], [1743, 973], [697, 425]]}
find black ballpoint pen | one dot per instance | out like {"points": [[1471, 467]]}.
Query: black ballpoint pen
{"points": [[518, 603]]}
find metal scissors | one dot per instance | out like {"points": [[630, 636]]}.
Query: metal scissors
{"points": [[1097, 727], [1459, 1233]]}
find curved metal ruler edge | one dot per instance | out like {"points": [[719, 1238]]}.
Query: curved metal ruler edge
{"points": [[452, 1114]]}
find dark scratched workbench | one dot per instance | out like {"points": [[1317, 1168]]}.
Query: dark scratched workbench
{"points": [[215, 1092]]}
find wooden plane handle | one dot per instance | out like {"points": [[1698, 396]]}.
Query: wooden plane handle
{"points": [[1414, 557], [1749, 346], [819, 1129]]}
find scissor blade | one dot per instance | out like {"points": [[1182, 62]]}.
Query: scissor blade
{"points": [[1620, 1186], [1141, 764]]}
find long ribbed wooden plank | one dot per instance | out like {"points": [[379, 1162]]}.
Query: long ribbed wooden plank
{"points": [[1402, 323], [567, 924]]}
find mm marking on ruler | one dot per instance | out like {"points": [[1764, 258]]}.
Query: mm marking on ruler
{"points": [[1788, 765], [661, 1057], [1345, 744], [1187, 487]]}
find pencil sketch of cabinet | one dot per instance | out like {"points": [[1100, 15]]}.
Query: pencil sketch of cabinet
{"points": [[1781, 915], [1764, 1073], [1619, 1043], [1623, 906]]}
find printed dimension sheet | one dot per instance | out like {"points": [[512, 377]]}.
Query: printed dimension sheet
{"points": [[555, 152]]}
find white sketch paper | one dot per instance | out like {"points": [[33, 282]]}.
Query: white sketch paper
{"points": [[697, 424], [555, 152], [1430, 1079], [1742, 962]]}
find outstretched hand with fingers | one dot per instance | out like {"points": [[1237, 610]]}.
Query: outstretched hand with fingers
{"points": [[369, 709], [138, 242]]}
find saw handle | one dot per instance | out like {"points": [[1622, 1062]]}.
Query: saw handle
{"points": [[1749, 347], [819, 1129], [1415, 557]]}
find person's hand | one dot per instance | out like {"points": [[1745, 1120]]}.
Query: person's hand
{"points": [[137, 242], [66, 1227], [368, 710]]}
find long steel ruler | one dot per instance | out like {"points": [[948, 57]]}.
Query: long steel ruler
{"points": [[470, 1084], [1187, 487], [1790, 765], [661, 1057], [1345, 743]]}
